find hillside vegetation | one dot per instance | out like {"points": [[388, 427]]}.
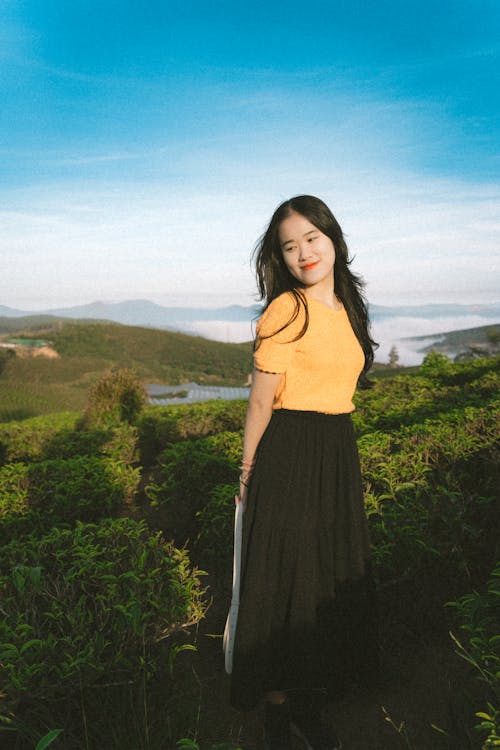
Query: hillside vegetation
{"points": [[461, 339], [111, 633], [29, 387]]}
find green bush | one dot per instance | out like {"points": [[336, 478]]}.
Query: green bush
{"points": [[406, 400], [431, 496], [117, 397], [188, 472], [436, 365], [85, 611], [27, 440], [118, 442], [160, 426], [215, 520], [39, 495], [57, 437], [478, 614]]}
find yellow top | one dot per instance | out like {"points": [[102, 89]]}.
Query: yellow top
{"points": [[321, 369]]}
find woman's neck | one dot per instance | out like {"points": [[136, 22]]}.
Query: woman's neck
{"points": [[326, 296]]}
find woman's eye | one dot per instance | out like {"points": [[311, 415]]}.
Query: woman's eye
{"points": [[311, 239]]}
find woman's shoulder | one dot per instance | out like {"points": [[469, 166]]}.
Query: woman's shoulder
{"points": [[283, 311]]}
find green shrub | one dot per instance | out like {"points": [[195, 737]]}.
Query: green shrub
{"points": [[117, 397], [43, 494], [215, 520], [478, 614], [405, 400], [431, 496], [160, 426], [28, 440], [188, 473], [436, 365], [57, 436], [85, 611]]}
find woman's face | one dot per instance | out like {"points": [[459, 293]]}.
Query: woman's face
{"points": [[308, 253]]}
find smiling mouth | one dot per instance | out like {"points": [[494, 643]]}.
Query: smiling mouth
{"points": [[308, 267]]}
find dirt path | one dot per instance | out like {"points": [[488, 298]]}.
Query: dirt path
{"points": [[424, 683]]}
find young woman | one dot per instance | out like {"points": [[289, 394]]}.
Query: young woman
{"points": [[307, 618]]}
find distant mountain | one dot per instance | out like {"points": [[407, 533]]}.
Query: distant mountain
{"points": [[142, 313], [145, 313]]}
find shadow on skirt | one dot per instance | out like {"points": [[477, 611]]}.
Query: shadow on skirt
{"points": [[307, 617]]}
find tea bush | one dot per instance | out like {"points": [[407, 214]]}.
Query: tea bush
{"points": [[188, 472], [39, 495], [57, 436], [405, 400], [86, 611], [27, 440], [215, 519], [478, 615], [431, 496], [160, 426]]}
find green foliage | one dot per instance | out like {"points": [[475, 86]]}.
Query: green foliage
{"points": [[48, 739], [407, 400], [160, 354], [57, 491], [479, 616], [6, 356], [187, 744], [160, 426], [58, 436], [84, 610], [215, 520], [28, 440], [188, 472], [429, 452], [430, 494], [435, 364], [117, 397]]}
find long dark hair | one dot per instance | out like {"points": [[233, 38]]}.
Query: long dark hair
{"points": [[274, 278]]}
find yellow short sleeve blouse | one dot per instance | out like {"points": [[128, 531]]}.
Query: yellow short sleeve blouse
{"points": [[320, 370]]}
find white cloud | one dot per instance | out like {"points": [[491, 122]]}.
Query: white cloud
{"points": [[417, 240]]}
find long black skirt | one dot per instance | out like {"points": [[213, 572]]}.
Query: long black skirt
{"points": [[307, 617]]}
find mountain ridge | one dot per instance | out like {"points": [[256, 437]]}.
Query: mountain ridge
{"points": [[147, 313]]}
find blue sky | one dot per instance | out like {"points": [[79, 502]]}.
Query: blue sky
{"points": [[145, 146]]}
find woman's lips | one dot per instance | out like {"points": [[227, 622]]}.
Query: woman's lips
{"points": [[308, 267]]}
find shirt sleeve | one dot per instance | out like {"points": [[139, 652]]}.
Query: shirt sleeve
{"points": [[275, 347]]}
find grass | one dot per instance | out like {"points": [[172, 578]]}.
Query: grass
{"points": [[32, 386]]}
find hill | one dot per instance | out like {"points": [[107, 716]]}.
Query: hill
{"points": [[453, 342], [34, 323], [87, 349]]}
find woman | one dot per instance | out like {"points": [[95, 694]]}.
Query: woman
{"points": [[307, 621]]}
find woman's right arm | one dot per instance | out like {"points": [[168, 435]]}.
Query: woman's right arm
{"points": [[260, 409]]}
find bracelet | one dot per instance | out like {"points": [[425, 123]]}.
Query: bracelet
{"points": [[242, 480]]}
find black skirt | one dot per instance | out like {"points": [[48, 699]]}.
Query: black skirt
{"points": [[307, 617]]}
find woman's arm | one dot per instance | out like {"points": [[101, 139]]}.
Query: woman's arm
{"points": [[259, 412]]}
